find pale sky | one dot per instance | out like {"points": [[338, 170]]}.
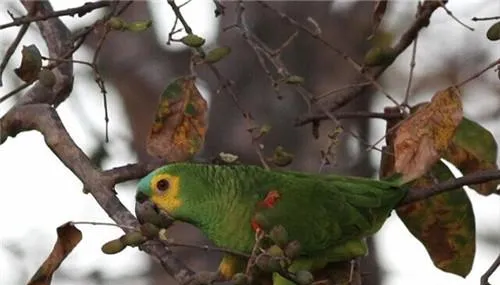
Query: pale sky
{"points": [[40, 193]]}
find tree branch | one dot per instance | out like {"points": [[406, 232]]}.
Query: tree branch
{"points": [[417, 194], [490, 271], [43, 118], [422, 20], [82, 10]]}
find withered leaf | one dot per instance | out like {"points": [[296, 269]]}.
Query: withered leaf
{"points": [[68, 237], [422, 139], [444, 223], [31, 63], [474, 148], [178, 131]]}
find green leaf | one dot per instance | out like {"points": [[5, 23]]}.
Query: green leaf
{"points": [[493, 33], [444, 224], [178, 131], [474, 148], [217, 54]]}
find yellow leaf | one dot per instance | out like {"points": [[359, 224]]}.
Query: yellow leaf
{"points": [[425, 136], [178, 131]]}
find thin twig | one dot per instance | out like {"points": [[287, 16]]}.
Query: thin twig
{"points": [[479, 73], [336, 50], [352, 115], [423, 19], [494, 266], [340, 89], [179, 16], [412, 67], [259, 235], [12, 48], [485, 18], [15, 91], [100, 82], [171, 242], [443, 5], [82, 10], [104, 224]]}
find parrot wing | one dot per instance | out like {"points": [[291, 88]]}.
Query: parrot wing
{"points": [[326, 211]]}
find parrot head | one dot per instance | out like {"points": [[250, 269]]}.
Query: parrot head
{"points": [[168, 187]]}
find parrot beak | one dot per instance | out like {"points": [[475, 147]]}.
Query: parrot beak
{"points": [[140, 197]]}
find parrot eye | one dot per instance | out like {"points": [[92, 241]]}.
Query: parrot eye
{"points": [[162, 185]]}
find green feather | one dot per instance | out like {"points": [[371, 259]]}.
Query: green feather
{"points": [[329, 214]]}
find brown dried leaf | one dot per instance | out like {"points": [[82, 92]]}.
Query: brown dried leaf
{"points": [[68, 236], [31, 63], [444, 223], [179, 128], [422, 139]]}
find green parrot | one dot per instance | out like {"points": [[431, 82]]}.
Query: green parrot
{"points": [[329, 215]]}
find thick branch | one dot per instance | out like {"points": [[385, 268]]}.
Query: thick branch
{"points": [[43, 118]]}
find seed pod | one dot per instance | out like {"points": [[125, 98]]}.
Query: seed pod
{"points": [[240, 279], [113, 246], [275, 251], [293, 249], [138, 26], [493, 33], [217, 54], [116, 23], [133, 239], [192, 40], [262, 262], [274, 264], [294, 79], [47, 78], [281, 157], [149, 230], [304, 277], [279, 235]]}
